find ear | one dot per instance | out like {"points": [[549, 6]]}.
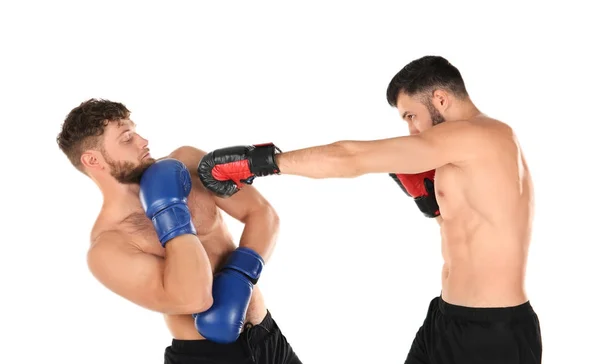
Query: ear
{"points": [[441, 99], [91, 160]]}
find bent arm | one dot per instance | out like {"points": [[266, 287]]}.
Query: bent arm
{"points": [[181, 283], [445, 143], [261, 223]]}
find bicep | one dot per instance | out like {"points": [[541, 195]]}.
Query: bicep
{"points": [[446, 143], [409, 154], [130, 273]]}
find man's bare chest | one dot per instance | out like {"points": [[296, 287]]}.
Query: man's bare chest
{"points": [[450, 190], [205, 217]]}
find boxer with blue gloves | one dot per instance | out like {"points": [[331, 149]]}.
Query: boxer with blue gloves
{"points": [[160, 242]]}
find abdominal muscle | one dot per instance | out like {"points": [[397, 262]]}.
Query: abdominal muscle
{"points": [[483, 265]]}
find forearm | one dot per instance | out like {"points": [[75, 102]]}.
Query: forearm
{"points": [[187, 275], [261, 228], [335, 160]]}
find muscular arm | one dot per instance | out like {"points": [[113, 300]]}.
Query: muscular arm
{"points": [[180, 283], [261, 223], [450, 142]]}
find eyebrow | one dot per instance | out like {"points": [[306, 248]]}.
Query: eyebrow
{"points": [[127, 129], [129, 126], [123, 132]]}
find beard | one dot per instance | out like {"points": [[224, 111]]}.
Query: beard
{"points": [[128, 172], [436, 117]]}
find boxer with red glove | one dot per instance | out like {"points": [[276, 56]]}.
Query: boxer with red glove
{"points": [[224, 171], [421, 188]]}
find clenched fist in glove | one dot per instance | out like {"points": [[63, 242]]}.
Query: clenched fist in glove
{"points": [[421, 188], [223, 171]]}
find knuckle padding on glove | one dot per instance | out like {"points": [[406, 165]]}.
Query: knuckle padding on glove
{"points": [[222, 188]]}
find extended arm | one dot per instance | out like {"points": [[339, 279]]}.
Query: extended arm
{"points": [[224, 171], [443, 144]]}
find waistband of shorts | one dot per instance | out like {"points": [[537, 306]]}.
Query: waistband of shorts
{"points": [[210, 347], [205, 347], [487, 314]]}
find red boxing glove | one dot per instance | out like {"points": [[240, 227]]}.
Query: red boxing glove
{"points": [[224, 171], [421, 188]]}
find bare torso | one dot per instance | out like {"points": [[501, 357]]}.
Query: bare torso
{"points": [[487, 209], [212, 233]]}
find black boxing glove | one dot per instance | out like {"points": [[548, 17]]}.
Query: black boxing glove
{"points": [[224, 171], [421, 188]]}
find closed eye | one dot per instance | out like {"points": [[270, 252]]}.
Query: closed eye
{"points": [[128, 137], [407, 116]]}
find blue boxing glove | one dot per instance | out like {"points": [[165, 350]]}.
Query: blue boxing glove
{"points": [[164, 189], [232, 288]]}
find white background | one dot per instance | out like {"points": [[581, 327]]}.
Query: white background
{"points": [[356, 265]]}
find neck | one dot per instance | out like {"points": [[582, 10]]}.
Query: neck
{"points": [[120, 199], [465, 110]]}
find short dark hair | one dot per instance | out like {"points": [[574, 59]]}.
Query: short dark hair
{"points": [[84, 125], [425, 75]]}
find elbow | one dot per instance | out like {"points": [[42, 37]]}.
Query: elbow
{"points": [[264, 213], [273, 217], [202, 300], [188, 302], [190, 305], [200, 305], [347, 159]]}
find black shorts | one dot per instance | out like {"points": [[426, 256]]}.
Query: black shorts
{"points": [[260, 344], [454, 334]]}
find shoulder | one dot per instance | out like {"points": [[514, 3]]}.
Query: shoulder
{"points": [[478, 126], [494, 133], [477, 133], [187, 151], [190, 156]]}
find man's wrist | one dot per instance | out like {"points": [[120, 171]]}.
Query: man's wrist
{"points": [[263, 159]]}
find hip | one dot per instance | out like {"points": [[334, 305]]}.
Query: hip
{"points": [[461, 334], [483, 288]]}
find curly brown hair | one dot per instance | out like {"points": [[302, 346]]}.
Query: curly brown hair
{"points": [[84, 126]]}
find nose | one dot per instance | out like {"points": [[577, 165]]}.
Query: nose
{"points": [[143, 143], [413, 131]]}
